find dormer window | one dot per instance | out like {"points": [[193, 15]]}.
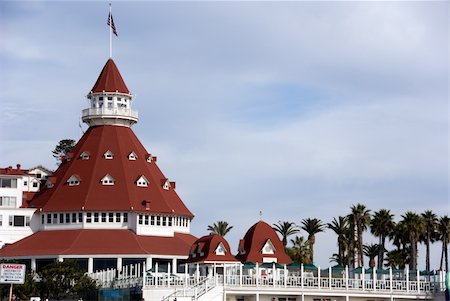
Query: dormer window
{"points": [[149, 158], [108, 155], [107, 180], [74, 180], [132, 156], [166, 184], [220, 250], [84, 156], [142, 181], [268, 248]]}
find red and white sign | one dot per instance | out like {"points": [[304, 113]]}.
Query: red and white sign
{"points": [[12, 273]]}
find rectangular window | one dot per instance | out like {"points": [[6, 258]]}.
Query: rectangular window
{"points": [[55, 218], [140, 219], [25, 183], [169, 221], [10, 220], [89, 217], [67, 218], [61, 218], [8, 183], [164, 218], [111, 217], [103, 217], [18, 221], [158, 220], [152, 220], [8, 201], [49, 218], [42, 219], [80, 217], [27, 221], [125, 217], [38, 175], [146, 220], [117, 217], [74, 217], [35, 184], [96, 217]]}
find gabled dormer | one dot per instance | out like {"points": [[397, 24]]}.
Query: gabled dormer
{"points": [[151, 158], [85, 155], [74, 180], [268, 248], [50, 182], [142, 181], [108, 155], [107, 180], [132, 156], [220, 250], [165, 184]]}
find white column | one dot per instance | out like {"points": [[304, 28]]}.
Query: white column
{"points": [[174, 266], [374, 276], [363, 277], [90, 265], [346, 277], [33, 264], [301, 276], [119, 263], [148, 263], [390, 278], [329, 277]]}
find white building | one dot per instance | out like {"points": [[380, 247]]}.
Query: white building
{"points": [[17, 188]]}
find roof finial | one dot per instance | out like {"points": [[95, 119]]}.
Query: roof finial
{"points": [[260, 215]]}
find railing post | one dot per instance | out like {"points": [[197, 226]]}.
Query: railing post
{"points": [[363, 278], [257, 275], [418, 280], [390, 279], [329, 277], [144, 276], [407, 278], [240, 274], [374, 278], [346, 277], [285, 276], [318, 277], [301, 274]]}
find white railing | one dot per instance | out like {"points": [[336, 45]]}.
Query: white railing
{"points": [[113, 112], [195, 285]]}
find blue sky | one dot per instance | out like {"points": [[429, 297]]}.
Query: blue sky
{"points": [[295, 109]]}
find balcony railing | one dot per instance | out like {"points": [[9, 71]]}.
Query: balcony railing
{"points": [[110, 112]]}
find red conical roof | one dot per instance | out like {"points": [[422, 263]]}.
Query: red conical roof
{"points": [[204, 250], [110, 80], [90, 194], [254, 241]]}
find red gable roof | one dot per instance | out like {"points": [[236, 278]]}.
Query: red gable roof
{"points": [[204, 250], [110, 80], [94, 242], [255, 239], [125, 195]]}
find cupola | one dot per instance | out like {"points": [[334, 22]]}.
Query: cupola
{"points": [[109, 100]]}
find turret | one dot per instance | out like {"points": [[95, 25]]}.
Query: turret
{"points": [[110, 100]]}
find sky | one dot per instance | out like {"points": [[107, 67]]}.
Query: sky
{"points": [[277, 111]]}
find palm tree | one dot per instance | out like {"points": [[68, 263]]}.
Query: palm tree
{"points": [[221, 228], [396, 259], [300, 251], [359, 219], [382, 225], [444, 236], [431, 221], [371, 251], [286, 229], [340, 227], [312, 226], [413, 226]]}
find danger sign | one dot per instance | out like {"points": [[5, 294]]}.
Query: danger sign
{"points": [[12, 273]]}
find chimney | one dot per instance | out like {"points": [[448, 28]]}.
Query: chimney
{"points": [[18, 166]]}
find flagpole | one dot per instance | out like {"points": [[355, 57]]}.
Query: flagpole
{"points": [[110, 32]]}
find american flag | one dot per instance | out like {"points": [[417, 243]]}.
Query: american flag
{"points": [[111, 24]]}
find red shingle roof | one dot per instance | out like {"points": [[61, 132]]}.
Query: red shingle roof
{"points": [[255, 239], [95, 242], [204, 250], [110, 80], [124, 195]]}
